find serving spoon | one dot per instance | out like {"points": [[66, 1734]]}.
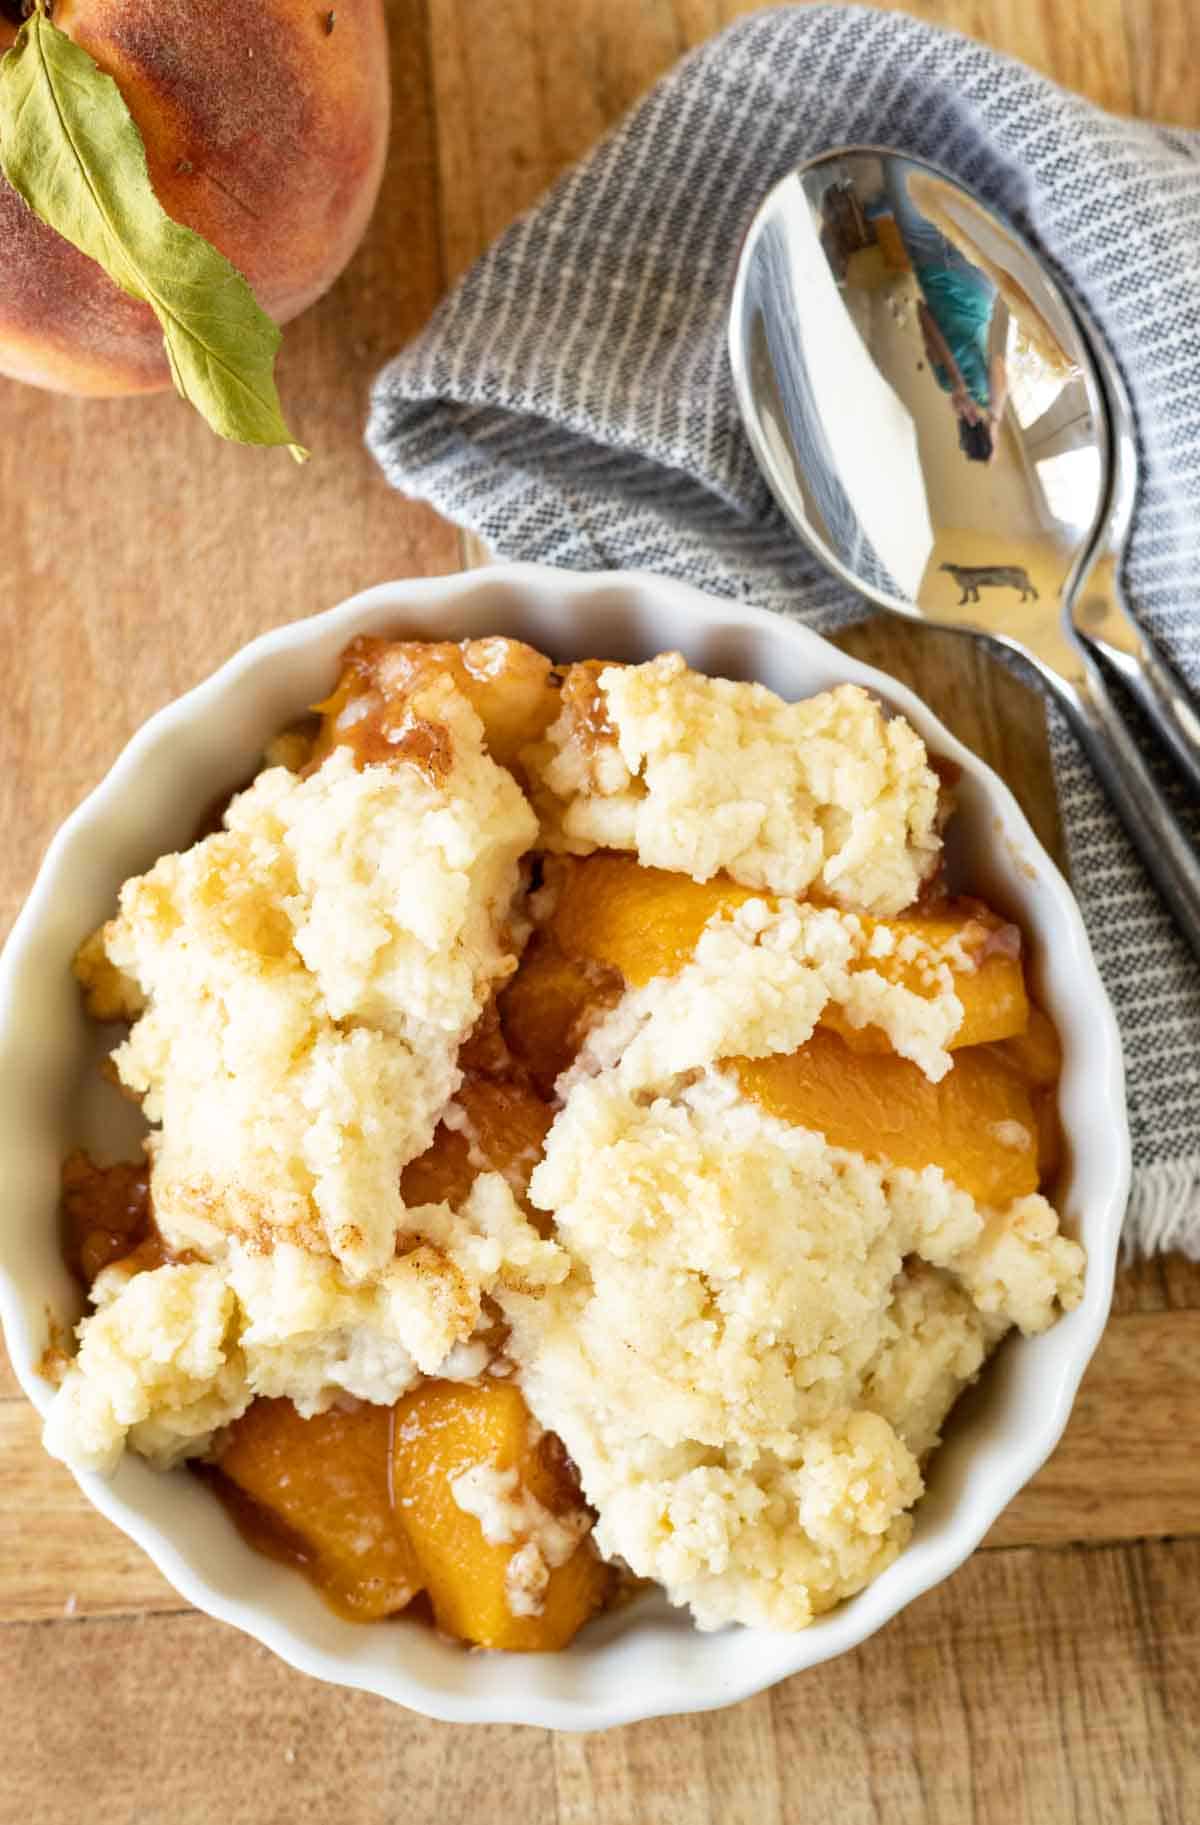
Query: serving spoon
{"points": [[1099, 611], [926, 409]]}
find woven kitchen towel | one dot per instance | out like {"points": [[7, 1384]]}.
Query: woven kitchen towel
{"points": [[571, 399]]}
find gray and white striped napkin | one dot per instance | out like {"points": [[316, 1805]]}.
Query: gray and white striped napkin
{"points": [[570, 401]]}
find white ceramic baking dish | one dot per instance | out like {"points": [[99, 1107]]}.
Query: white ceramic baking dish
{"points": [[646, 1660]]}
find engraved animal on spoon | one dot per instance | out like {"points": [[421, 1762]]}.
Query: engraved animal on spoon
{"points": [[971, 578]]}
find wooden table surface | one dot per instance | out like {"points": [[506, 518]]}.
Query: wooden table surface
{"points": [[1057, 1676]]}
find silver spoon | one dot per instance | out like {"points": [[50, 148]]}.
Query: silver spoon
{"points": [[1099, 611], [927, 412]]}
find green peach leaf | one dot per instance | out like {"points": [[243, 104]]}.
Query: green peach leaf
{"points": [[70, 147]]}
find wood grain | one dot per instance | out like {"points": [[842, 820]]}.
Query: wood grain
{"points": [[517, 102], [1035, 1689], [1054, 1679], [1126, 1467], [139, 551], [1161, 51], [58, 1556]]}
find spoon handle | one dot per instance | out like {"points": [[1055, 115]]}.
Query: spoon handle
{"points": [[1162, 694], [1148, 816], [1102, 620]]}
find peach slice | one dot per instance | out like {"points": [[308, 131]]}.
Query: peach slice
{"points": [[991, 988], [1036, 1057], [645, 922], [978, 1124], [315, 1494], [443, 1428], [546, 1007], [504, 1126], [1035, 1054]]}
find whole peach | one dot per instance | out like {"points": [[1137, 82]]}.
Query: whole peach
{"points": [[265, 127]]}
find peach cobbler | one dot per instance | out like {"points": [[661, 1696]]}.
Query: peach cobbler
{"points": [[587, 1142]]}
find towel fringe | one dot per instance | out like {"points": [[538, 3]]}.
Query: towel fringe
{"points": [[1164, 1210]]}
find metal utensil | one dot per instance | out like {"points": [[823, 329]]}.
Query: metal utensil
{"points": [[923, 403], [1099, 612]]}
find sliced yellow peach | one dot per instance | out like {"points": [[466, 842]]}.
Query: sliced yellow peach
{"points": [[646, 922], [978, 1124], [643, 922], [1036, 1057], [501, 1128], [1049, 1131], [315, 1494], [991, 986], [443, 1429], [1035, 1054], [544, 1008]]}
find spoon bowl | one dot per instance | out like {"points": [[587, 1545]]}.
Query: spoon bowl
{"points": [[927, 410], [878, 430]]}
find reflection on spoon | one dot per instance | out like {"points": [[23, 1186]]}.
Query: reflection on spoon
{"points": [[926, 409]]}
